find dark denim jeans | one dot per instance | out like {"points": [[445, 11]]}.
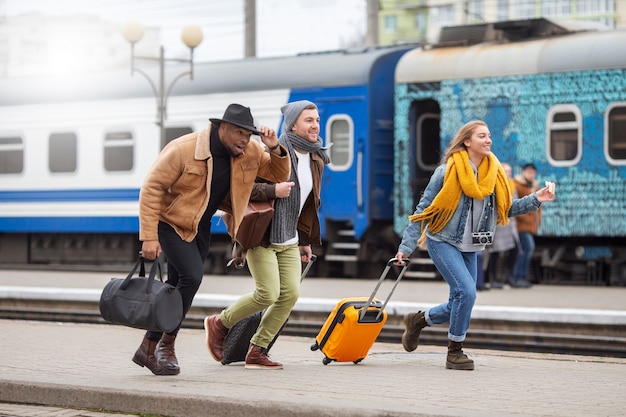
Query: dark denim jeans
{"points": [[522, 263]]}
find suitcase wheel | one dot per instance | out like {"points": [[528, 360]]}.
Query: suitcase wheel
{"points": [[314, 346], [357, 361], [326, 361]]}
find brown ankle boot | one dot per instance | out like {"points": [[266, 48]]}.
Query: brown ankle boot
{"points": [[144, 356], [456, 358], [258, 358], [215, 335], [413, 324], [166, 357]]}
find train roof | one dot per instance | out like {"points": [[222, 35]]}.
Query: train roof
{"points": [[324, 69], [555, 49]]}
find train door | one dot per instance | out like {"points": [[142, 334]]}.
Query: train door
{"points": [[425, 142], [343, 212], [342, 120], [343, 190]]}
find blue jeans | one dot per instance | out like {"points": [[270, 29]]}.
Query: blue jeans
{"points": [[522, 263], [480, 271], [459, 270]]}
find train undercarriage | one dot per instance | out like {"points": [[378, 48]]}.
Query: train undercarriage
{"points": [[584, 261]]}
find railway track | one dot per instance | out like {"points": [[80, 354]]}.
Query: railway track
{"points": [[483, 335]]}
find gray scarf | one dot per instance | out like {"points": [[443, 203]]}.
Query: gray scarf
{"points": [[285, 222]]}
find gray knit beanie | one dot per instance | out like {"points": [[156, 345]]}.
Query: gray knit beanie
{"points": [[291, 111]]}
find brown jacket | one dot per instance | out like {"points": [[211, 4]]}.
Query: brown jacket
{"points": [[177, 188], [529, 222]]}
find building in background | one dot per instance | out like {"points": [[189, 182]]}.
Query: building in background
{"points": [[410, 21]]}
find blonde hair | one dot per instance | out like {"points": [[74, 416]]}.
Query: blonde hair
{"points": [[458, 143]]}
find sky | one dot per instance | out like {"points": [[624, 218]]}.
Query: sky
{"points": [[284, 27]]}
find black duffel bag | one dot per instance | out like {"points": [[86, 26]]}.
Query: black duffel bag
{"points": [[142, 303]]}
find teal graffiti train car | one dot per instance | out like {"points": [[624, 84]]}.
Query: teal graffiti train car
{"points": [[553, 95]]}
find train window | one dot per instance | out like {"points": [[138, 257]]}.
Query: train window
{"points": [[427, 146], [11, 155], [564, 135], [615, 134], [119, 148], [172, 133], [390, 23], [339, 134], [62, 155]]}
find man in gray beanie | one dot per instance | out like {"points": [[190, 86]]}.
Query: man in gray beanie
{"points": [[276, 264], [291, 111]]}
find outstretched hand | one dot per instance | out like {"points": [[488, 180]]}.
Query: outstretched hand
{"points": [[544, 195]]}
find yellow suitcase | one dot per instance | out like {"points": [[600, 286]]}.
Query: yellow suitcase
{"points": [[354, 324]]}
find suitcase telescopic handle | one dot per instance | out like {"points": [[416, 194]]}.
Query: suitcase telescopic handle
{"points": [[383, 275], [308, 266]]}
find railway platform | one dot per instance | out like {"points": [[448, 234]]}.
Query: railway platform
{"points": [[54, 368]]}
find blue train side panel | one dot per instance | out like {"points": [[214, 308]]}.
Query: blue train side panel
{"points": [[45, 211], [359, 190]]}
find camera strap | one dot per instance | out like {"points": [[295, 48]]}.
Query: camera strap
{"points": [[472, 216], [472, 212]]}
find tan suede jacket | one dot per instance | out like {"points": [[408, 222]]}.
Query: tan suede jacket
{"points": [[177, 187]]}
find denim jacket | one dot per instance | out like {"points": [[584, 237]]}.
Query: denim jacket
{"points": [[454, 229]]}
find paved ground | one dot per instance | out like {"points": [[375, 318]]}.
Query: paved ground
{"points": [[73, 365], [84, 369]]}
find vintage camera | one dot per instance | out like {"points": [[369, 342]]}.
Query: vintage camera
{"points": [[482, 238]]}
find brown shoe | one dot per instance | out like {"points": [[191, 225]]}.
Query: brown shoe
{"points": [[413, 323], [165, 355], [258, 358], [145, 356], [456, 359], [215, 335]]}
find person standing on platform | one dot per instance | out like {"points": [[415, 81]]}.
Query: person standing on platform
{"points": [[276, 264], [503, 252], [527, 227], [186, 185], [467, 195], [481, 275]]}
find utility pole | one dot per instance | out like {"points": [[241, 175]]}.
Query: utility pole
{"points": [[250, 31], [371, 38]]}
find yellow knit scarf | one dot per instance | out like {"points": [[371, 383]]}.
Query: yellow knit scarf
{"points": [[460, 178]]}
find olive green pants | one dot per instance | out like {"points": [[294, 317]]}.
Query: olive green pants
{"points": [[276, 271]]}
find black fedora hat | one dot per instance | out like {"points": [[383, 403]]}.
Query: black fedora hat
{"points": [[238, 115]]}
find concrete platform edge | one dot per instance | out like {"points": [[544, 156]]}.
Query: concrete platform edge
{"points": [[325, 305], [173, 405]]}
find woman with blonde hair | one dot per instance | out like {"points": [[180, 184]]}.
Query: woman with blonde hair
{"points": [[467, 195]]}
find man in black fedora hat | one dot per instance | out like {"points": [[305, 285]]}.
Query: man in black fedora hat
{"points": [[189, 181]]}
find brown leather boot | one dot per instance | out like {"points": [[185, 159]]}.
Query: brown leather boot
{"points": [[215, 335], [166, 357], [413, 324], [144, 356], [258, 358], [456, 358]]}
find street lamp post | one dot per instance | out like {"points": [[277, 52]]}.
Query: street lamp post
{"points": [[192, 36]]}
